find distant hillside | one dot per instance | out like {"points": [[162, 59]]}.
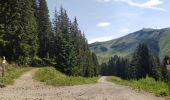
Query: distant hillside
{"points": [[157, 40]]}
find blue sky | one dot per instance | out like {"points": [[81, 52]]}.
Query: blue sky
{"points": [[103, 20]]}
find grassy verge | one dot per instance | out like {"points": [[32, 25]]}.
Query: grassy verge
{"points": [[53, 77], [12, 74], [147, 84]]}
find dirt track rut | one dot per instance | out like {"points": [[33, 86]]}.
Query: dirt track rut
{"points": [[25, 88]]}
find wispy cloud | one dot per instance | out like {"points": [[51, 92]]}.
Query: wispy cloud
{"points": [[125, 30], [150, 4], [103, 24]]}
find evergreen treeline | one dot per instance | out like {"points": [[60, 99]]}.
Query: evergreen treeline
{"points": [[143, 63], [69, 47], [27, 37], [116, 66]]}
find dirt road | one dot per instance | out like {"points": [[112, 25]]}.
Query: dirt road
{"points": [[25, 88]]}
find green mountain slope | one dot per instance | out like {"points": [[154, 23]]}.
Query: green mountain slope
{"points": [[157, 40]]}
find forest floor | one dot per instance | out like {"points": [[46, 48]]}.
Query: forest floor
{"points": [[25, 88]]}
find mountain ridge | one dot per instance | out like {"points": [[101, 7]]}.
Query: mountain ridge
{"points": [[156, 39]]}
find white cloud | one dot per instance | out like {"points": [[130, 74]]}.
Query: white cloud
{"points": [[100, 39], [151, 4], [125, 30], [103, 24], [103, 0]]}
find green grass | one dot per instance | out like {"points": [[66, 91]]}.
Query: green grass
{"points": [[53, 77], [147, 84], [12, 74]]}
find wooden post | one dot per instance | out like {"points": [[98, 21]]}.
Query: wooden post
{"points": [[3, 66]]}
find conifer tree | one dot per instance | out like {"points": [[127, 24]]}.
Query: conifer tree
{"points": [[164, 72], [20, 34], [44, 28], [143, 63], [73, 55], [103, 69], [2, 25], [95, 65], [35, 7], [132, 70], [116, 66]]}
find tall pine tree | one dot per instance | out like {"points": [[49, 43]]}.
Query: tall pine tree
{"points": [[44, 28], [20, 33]]}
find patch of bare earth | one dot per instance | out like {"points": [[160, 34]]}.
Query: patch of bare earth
{"points": [[25, 88]]}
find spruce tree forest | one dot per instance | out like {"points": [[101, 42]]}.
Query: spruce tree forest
{"points": [[29, 37], [142, 64]]}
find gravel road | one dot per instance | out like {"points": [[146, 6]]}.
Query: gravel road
{"points": [[25, 88]]}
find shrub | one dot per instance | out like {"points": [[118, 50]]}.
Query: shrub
{"points": [[36, 61]]}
